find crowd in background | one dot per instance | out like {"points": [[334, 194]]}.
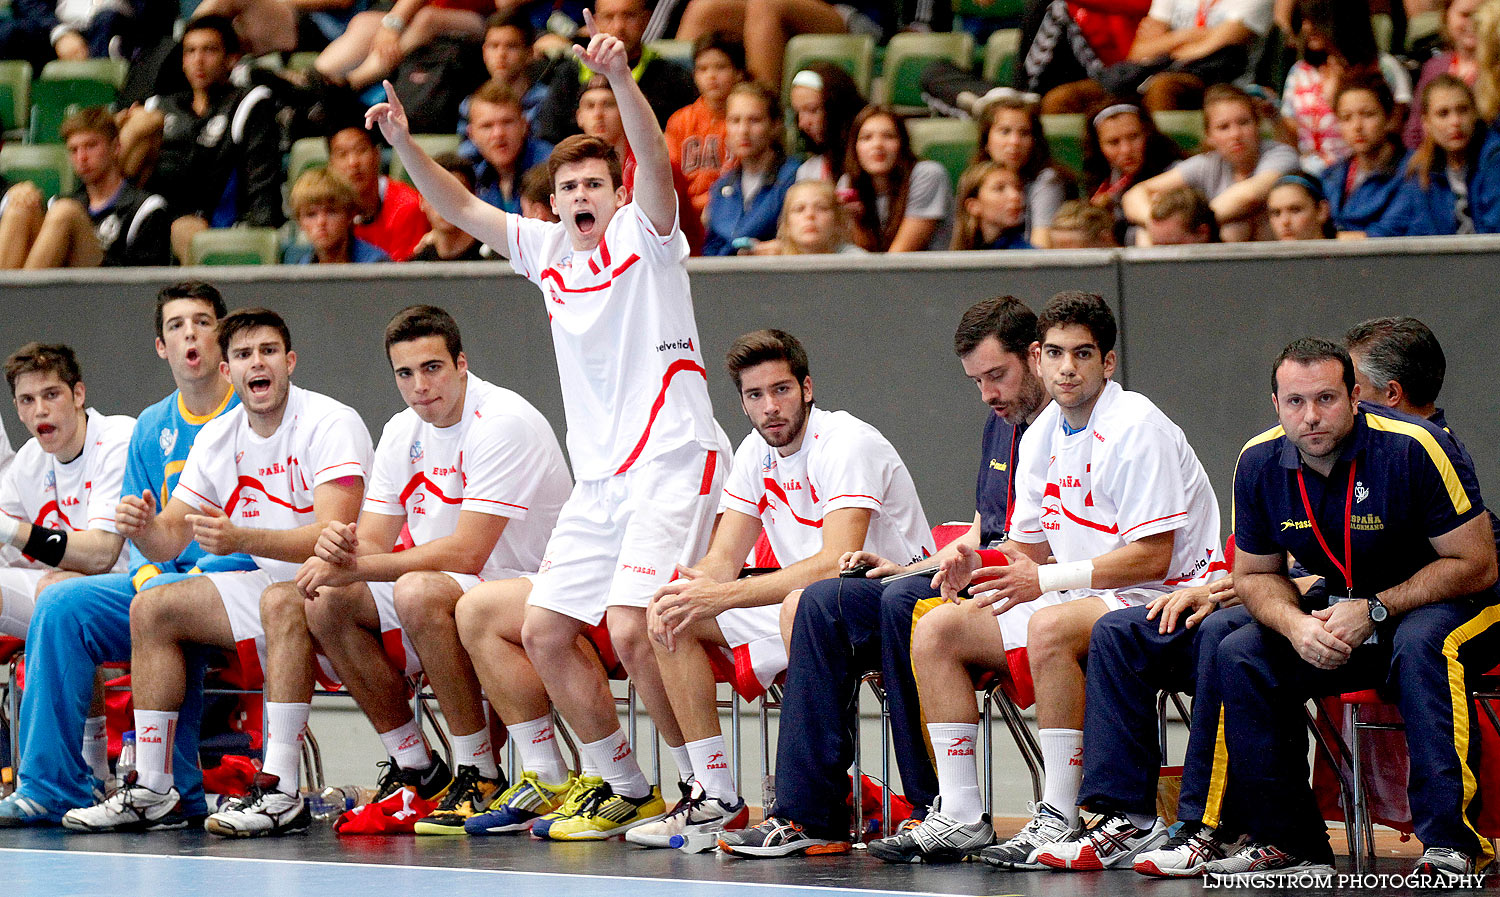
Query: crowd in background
{"points": [[1309, 130]]}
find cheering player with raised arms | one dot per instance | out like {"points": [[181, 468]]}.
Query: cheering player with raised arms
{"points": [[646, 453]]}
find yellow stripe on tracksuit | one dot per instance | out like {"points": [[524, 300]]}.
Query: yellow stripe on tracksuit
{"points": [[1440, 460], [1458, 694]]}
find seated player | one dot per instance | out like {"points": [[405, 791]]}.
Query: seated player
{"points": [[389, 214], [85, 621], [325, 206], [477, 477], [843, 627], [820, 485], [58, 496], [1109, 487], [263, 479], [645, 450], [108, 221]]}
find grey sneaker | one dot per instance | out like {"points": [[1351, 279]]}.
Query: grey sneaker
{"points": [[1111, 842], [1444, 864], [1047, 826], [777, 837], [1257, 865], [264, 811], [695, 814], [134, 808], [1184, 856], [937, 839]]}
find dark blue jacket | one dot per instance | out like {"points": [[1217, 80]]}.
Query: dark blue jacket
{"points": [[1418, 212], [1371, 201], [728, 218]]}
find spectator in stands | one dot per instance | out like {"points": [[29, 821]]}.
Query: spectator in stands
{"points": [[375, 42], [507, 53], [325, 205], [445, 242], [695, 133], [813, 222], [1235, 174], [1362, 187], [536, 194], [1121, 148], [667, 85], [898, 204], [1080, 225], [274, 26], [1011, 134], [109, 221], [1298, 209], [1451, 182], [1063, 41], [1181, 216], [991, 209], [745, 202], [503, 144], [218, 146], [1487, 60], [37, 30], [1461, 40], [390, 212], [1334, 40], [825, 100], [1180, 48]]}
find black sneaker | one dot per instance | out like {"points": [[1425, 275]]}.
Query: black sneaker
{"points": [[469, 794], [777, 837], [937, 839], [429, 784]]}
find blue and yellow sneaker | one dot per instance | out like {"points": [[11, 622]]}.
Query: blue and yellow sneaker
{"points": [[519, 806], [593, 812]]}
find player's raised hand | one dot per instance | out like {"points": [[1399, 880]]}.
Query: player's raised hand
{"points": [[605, 55], [390, 116], [213, 531], [338, 543], [134, 513]]}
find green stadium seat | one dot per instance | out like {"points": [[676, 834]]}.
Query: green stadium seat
{"points": [[1384, 29], [44, 165], [909, 53], [434, 144], [950, 142], [307, 153], [54, 99], [1185, 126], [678, 51], [110, 71], [1065, 138], [1000, 55], [1422, 25], [15, 94], [236, 246], [854, 53]]}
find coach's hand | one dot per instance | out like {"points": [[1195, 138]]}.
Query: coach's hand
{"points": [[390, 116], [692, 596], [316, 573], [955, 572], [1347, 621], [134, 513], [1006, 586], [214, 532], [338, 543], [1316, 645], [882, 567]]}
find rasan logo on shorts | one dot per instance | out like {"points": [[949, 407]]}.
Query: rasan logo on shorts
{"points": [[675, 345]]}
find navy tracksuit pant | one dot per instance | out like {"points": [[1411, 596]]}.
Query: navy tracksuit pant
{"points": [[1420, 661], [844, 628], [1129, 662]]}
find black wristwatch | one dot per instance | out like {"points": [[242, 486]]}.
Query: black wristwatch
{"points": [[1378, 611]]}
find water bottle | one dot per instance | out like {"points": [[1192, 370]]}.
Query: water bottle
{"points": [[768, 794], [126, 764], [332, 801]]}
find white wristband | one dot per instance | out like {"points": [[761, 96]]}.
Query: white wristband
{"points": [[10, 527], [1062, 577]]}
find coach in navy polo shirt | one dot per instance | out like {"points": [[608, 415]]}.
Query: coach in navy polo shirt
{"points": [[1386, 509]]}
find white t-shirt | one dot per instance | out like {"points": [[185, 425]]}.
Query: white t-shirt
{"points": [[843, 463], [7, 453], [628, 353], [1253, 14], [501, 458], [1129, 474], [76, 496], [268, 483]]}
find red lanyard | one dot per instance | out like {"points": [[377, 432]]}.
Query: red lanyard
{"points": [[1346, 568], [1010, 490], [1203, 7], [1351, 177]]}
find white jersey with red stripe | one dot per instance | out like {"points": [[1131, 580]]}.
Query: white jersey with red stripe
{"points": [[1128, 474], [628, 353], [501, 458], [268, 483], [843, 463], [79, 495]]}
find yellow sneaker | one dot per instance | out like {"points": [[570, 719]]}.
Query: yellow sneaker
{"points": [[600, 813], [520, 805], [469, 792]]}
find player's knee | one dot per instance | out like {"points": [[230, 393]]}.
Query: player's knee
{"points": [[542, 635], [152, 614], [789, 611], [627, 632], [936, 632], [283, 603], [423, 600], [1052, 634]]}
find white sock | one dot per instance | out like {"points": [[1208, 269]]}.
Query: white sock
{"points": [[536, 742], [1062, 760], [285, 724], [155, 731], [406, 746], [684, 761], [616, 763], [711, 766], [958, 775], [96, 747], [474, 750]]}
